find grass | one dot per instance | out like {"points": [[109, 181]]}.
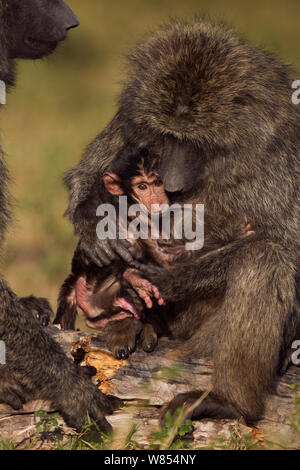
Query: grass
{"points": [[176, 434]]}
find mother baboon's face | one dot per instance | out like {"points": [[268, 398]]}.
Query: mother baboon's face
{"points": [[182, 166], [35, 27]]}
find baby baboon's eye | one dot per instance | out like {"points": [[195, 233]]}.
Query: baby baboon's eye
{"points": [[142, 186]]}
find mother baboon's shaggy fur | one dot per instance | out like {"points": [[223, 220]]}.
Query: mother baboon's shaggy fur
{"points": [[219, 113]]}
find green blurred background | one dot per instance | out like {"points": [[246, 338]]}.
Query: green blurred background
{"points": [[61, 103]]}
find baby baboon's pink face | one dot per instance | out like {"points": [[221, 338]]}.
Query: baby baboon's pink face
{"points": [[146, 189], [149, 190]]}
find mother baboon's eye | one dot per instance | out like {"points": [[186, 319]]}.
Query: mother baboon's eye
{"points": [[142, 186]]}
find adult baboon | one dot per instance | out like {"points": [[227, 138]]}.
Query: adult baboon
{"points": [[36, 366], [219, 113]]}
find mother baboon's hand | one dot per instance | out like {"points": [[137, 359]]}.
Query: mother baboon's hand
{"points": [[104, 252], [149, 271]]}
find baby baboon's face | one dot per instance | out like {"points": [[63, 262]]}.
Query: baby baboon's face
{"points": [[149, 191]]}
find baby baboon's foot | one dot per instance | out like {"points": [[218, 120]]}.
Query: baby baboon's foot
{"points": [[127, 306], [148, 338], [39, 307], [121, 337]]}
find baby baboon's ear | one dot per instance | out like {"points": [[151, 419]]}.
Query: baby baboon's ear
{"points": [[113, 184]]}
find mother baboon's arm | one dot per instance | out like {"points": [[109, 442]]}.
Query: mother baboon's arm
{"points": [[199, 276], [85, 184], [85, 178]]}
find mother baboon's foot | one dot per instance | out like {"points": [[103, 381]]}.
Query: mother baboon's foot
{"points": [[148, 338], [195, 408], [121, 336]]}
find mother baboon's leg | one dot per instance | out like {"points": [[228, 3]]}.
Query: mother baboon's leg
{"points": [[257, 308]]}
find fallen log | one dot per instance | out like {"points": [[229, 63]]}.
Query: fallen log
{"points": [[153, 380]]}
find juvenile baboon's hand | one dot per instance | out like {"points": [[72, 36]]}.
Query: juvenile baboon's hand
{"points": [[39, 307], [86, 402], [104, 252], [11, 393]]}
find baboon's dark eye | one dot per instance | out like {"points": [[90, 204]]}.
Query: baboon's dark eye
{"points": [[142, 186]]}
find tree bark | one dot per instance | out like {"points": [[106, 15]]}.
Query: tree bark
{"points": [[153, 380]]}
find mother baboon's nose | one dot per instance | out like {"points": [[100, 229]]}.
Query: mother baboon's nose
{"points": [[69, 18]]}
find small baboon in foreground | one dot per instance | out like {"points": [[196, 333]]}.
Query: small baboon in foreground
{"points": [[219, 114], [36, 367]]}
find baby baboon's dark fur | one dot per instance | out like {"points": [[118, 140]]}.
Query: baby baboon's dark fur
{"points": [[219, 113], [36, 367]]}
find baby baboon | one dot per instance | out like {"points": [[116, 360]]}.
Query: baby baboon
{"points": [[36, 366], [106, 295], [219, 114]]}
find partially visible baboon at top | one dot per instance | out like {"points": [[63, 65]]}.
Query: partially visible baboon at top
{"points": [[219, 114], [36, 367]]}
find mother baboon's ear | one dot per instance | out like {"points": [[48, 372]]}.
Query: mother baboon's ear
{"points": [[113, 184]]}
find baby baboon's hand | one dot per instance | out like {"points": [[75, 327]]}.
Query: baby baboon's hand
{"points": [[244, 230], [39, 308], [143, 287]]}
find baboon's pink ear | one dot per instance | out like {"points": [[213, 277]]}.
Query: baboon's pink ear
{"points": [[112, 184]]}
